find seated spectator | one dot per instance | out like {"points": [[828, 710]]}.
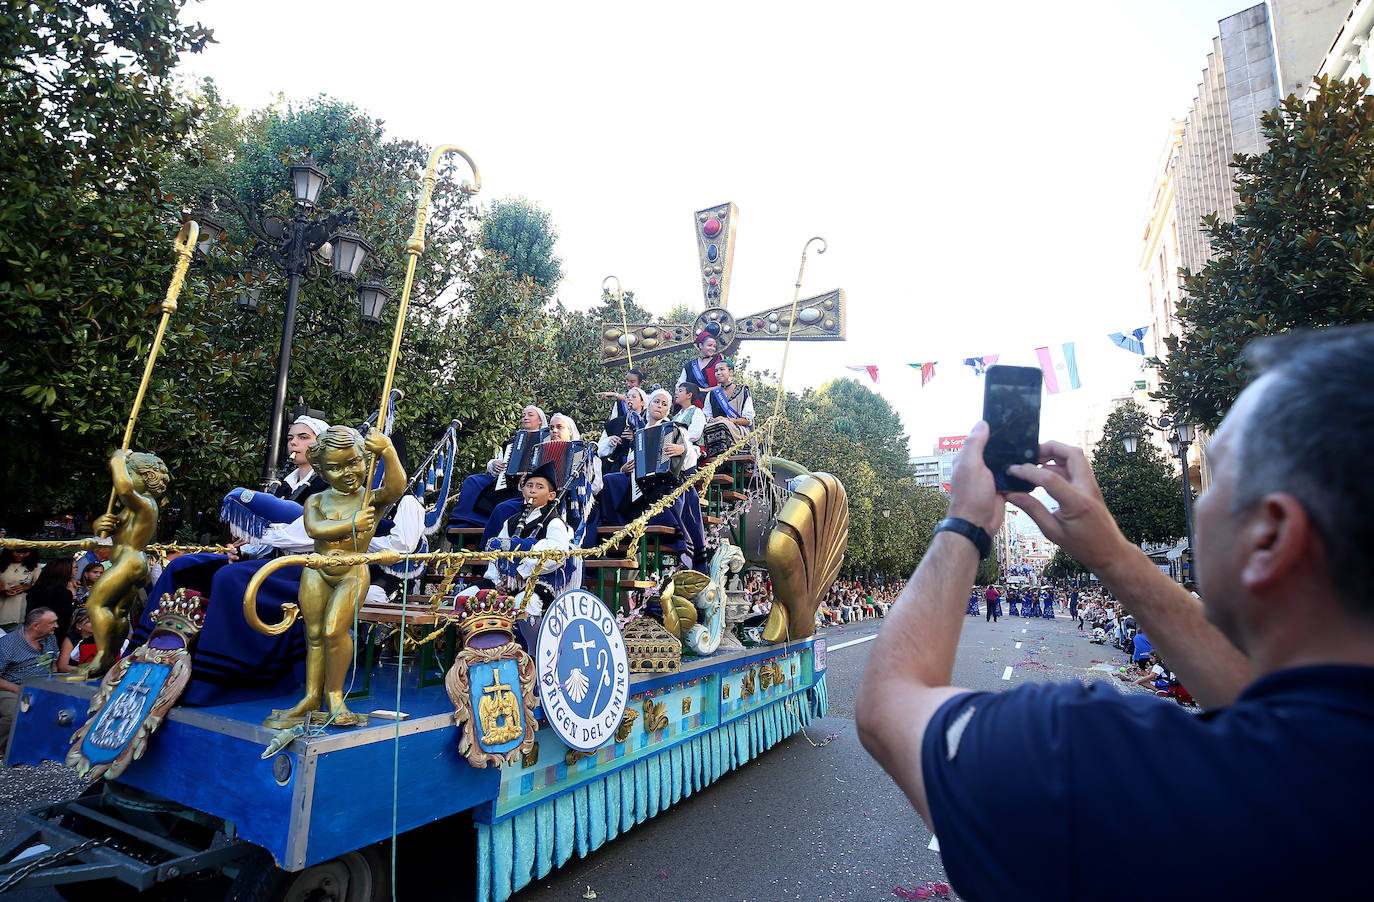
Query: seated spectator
{"points": [[26, 654], [78, 646]]}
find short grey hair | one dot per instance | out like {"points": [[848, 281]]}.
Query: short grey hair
{"points": [[1310, 438]]}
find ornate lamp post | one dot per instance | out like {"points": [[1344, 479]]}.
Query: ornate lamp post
{"points": [[1179, 435], [295, 247]]}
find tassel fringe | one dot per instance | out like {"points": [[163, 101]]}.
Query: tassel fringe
{"points": [[525, 847]]}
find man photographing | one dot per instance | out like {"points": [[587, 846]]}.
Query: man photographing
{"points": [[1268, 791]]}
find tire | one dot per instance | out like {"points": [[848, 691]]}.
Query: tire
{"points": [[361, 876]]}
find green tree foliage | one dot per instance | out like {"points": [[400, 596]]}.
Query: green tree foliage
{"points": [[523, 237], [459, 301], [1300, 252], [88, 115], [989, 570], [1141, 489], [1063, 566]]}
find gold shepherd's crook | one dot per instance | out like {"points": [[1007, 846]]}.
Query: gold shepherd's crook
{"points": [[624, 320], [414, 248], [792, 320], [185, 245]]}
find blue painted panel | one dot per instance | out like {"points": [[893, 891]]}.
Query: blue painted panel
{"points": [[352, 802], [239, 787]]}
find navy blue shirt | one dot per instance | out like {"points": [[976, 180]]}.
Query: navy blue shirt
{"points": [[1272, 794]]}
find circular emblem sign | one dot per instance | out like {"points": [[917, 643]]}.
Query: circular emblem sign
{"points": [[584, 674]]}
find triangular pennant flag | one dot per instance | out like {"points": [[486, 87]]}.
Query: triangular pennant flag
{"points": [[927, 370], [1133, 342], [1060, 367], [871, 369], [980, 364]]}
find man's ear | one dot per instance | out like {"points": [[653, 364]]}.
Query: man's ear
{"points": [[1278, 536]]}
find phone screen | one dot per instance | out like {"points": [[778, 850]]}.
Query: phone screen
{"points": [[1011, 407]]}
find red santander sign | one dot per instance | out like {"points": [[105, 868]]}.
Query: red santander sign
{"points": [[951, 442]]}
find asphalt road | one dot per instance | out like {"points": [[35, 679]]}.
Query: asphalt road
{"points": [[814, 818], [811, 819]]}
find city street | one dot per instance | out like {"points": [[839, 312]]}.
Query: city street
{"points": [[814, 818]]}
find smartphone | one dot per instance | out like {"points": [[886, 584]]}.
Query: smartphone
{"points": [[1011, 407]]}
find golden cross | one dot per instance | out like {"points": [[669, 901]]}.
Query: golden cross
{"points": [[819, 318]]}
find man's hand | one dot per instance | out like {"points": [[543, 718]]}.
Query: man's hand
{"points": [[499, 466], [972, 490], [674, 450], [1082, 525], [106, 524]]}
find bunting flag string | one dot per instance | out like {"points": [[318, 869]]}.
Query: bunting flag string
{"points": [[980, 364], [927, 371], [1060, 367], [1133, 341], [1058, 362], [872, 371]]}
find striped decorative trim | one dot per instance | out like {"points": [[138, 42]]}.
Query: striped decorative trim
{"points": [[512, 853]]}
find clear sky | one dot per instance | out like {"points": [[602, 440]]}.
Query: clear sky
{"points": [[980, 170]]}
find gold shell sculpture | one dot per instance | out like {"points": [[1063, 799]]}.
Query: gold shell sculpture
{"points": [[805, 550]]}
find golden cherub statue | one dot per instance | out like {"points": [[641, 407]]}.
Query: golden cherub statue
{"points": [[140, 482], [341, 520]]}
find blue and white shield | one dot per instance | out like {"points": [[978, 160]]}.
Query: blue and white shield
{"points": [[116, 724], [498, 715]]}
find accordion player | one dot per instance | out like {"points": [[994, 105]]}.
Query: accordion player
{"points": [[520, 458], [568, 457], [654, 468]]}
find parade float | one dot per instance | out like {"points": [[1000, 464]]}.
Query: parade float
{"points": [[636, 692]]}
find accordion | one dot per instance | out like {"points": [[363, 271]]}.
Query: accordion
{"points": [[653, 466], [568, 458], [524, 447], [717, 438]]}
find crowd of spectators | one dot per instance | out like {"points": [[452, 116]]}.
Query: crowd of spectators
{"points": [[51, 632], [850, 600]]}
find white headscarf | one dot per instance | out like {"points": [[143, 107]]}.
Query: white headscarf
{"points": [[316, 426], [642, 397], [543, 420], [572, 427], [658, 391]]}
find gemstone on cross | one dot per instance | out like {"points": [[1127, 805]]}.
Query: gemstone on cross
{"points": [[819, 318]]}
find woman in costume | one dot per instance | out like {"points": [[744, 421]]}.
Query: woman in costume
{"points": [[479, 496], [18, 571], [729, 402], [618, 435], [685, 513], [973, 602], [691, 422], [1012, 600], [701, 369]]}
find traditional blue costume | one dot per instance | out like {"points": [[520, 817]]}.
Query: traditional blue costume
{"points": [[973, 603], [1011, 605], [1049, 605]]}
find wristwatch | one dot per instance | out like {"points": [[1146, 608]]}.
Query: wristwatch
{"points": [[971, 531]]}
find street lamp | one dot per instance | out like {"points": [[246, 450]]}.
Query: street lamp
{"points": [[1180, 435], [887, 512], [298, 247]]}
